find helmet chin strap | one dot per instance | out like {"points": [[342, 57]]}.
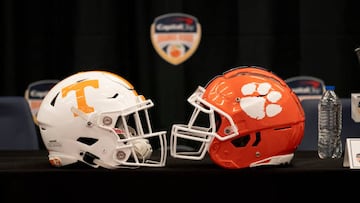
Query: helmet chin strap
{"points": [[143, 149]]}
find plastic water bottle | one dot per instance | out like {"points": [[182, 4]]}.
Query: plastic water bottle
{"points": [[329, 125]]}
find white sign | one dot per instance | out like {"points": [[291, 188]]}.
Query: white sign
{"points": [[352, 153]]}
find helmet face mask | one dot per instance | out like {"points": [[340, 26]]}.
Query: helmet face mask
{"points": [[254, 119], [97, 118], [200, 130]]}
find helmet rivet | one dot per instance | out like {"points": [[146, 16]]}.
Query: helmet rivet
{"points": [[257, 154], [107, 120], [228, 130], [120, 155]]}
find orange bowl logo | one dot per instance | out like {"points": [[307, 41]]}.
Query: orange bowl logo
{"points": [[175, 36]]}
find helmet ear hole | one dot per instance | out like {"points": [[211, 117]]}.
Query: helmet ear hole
{"points": [[241, 141]]}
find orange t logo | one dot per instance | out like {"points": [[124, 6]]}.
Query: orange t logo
{"points": [[80, 94]]}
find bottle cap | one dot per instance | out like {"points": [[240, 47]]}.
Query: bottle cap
{"points": [[330, 87]]}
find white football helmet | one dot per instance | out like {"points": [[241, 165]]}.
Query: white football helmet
{"points": [[97, 117]]}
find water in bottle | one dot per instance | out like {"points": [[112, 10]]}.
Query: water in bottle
{"points": [[329, 125]]}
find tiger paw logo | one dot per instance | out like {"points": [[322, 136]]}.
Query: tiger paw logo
{"points": [[260, 100]]}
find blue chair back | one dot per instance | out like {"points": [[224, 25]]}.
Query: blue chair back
{"points": [[350, 128], [17, 127]]}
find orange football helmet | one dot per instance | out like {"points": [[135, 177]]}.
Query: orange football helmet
{"points": [[251, 118]]}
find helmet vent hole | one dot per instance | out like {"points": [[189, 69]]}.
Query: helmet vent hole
{"points": [[52, 103], [115, 95], [258, 139], [283, 128], [87, 140]]}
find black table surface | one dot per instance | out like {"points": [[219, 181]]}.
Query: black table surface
{"points": [[37, 160], [27, 175]]}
